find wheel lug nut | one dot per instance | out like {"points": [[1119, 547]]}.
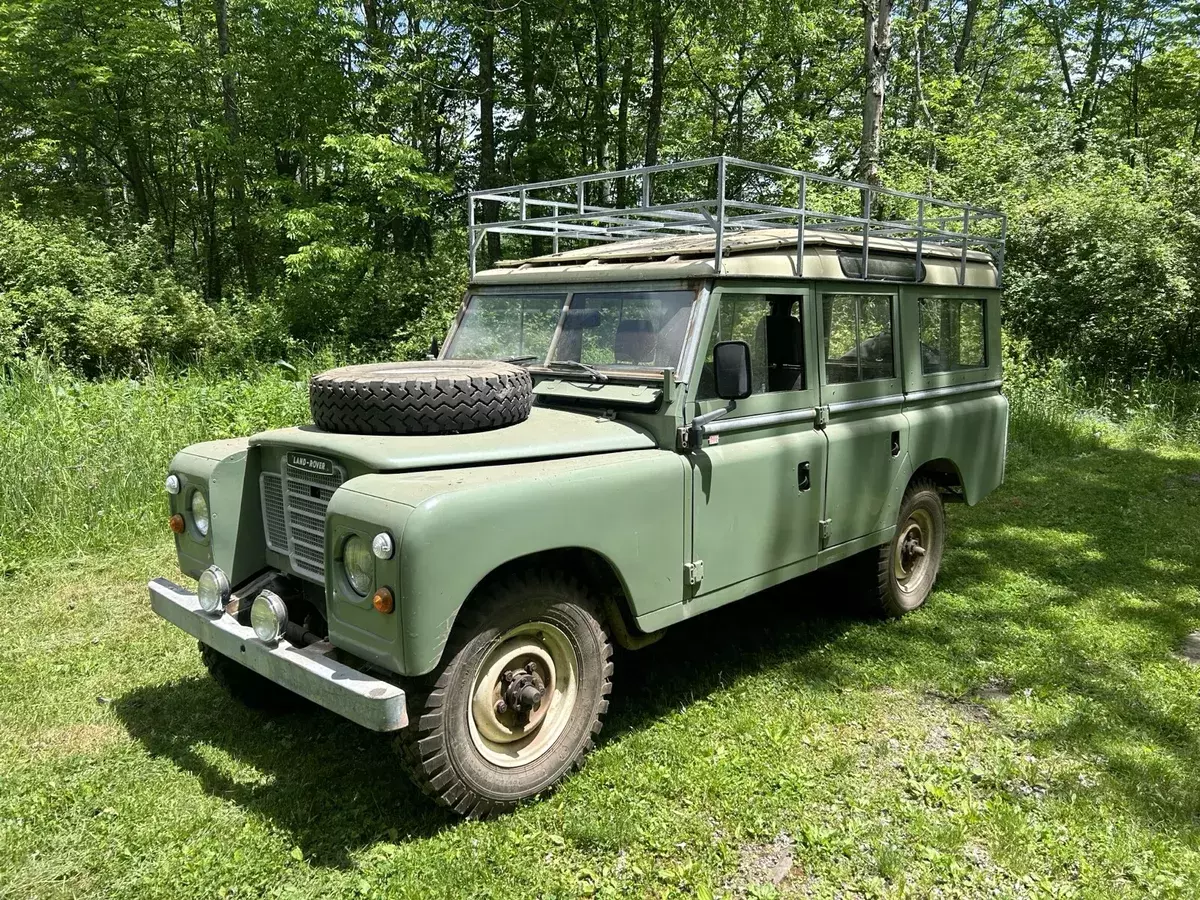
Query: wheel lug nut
{"points": [[501, 707], [531, 667]]}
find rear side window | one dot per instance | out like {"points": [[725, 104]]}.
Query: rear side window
{"points": [[952, 335], [858, 338]]}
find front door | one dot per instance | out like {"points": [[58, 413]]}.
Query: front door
{"points": [[757, 481]]}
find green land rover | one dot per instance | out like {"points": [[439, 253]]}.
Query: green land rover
{"points": [[692, 401]]}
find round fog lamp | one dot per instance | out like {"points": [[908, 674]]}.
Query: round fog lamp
{"points": [[360, 567], [268, 617], [213, 590], [200, 514], [383, 547], [172, 484]]}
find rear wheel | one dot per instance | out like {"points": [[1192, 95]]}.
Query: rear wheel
{"points": [[902, 572], [518, 699]]}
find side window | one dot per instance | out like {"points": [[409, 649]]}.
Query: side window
{"points": [[770, 324], [858, 338], [952, 335]]}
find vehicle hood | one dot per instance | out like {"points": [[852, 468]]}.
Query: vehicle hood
{"points": [[546, 434]]}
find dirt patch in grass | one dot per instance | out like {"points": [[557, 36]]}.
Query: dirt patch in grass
{"points": [[75, 739], [771, 863], [1189, 650]]}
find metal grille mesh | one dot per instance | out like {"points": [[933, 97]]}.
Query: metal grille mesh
{"points": [[306, 496], [274, 521], [294, 505]]}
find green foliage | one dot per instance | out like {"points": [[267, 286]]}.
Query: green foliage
{"points": [[84, 461], [88, 304], [1105, 269]]}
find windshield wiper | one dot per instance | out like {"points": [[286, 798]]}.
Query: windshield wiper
{"points": [[518, 360], [596, 374]]}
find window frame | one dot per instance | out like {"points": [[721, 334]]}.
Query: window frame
{"points": [[875, 387], [773, 401], [983, 337], [569, 288], [915, 378]]}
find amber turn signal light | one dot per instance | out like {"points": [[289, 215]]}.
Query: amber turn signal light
{"points": [[383, 600], [176, 523]]}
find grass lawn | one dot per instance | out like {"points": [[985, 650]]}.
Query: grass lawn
{"points": [[1030, 733]]}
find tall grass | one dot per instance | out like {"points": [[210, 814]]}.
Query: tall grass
{"points": [[1057, 410], [82, 463]]}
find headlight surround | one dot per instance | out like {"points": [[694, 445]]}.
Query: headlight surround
{"points": [[213, 589], [268, 617], [359, 563], [199, 510]]}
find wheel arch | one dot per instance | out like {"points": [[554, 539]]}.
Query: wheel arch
{"points": [[594, 569], [945, 473]]}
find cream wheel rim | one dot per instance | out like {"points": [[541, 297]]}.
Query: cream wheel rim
{"points": [[510, 737], [910, 557]]}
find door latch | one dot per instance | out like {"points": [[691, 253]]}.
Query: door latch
{"points": [[803, 477]]}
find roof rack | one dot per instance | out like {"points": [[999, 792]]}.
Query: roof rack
{"points": [[723, 195]]}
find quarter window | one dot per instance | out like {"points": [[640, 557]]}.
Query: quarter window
{"points": [[952, 335], [858, 338], [770, 324]]}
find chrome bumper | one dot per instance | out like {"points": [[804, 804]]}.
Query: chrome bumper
{"points": [[308, 671]]}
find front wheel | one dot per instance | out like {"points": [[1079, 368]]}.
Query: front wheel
{"points": [[518, 699], [903, 571]]}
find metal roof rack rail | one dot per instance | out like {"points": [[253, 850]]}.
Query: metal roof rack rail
{"points": [[721, 196]]}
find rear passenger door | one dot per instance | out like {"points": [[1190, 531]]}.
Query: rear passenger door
{"points": [[758, 479], [861, 387]]}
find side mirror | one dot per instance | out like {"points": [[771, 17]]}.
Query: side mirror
{"points": [[731, 369], [434, 349]]}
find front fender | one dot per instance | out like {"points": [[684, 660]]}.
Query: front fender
{"points": [[465, 523]]}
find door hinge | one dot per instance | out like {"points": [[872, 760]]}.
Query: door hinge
{"points": [[822, 416], [825, 523], [694, 572]]}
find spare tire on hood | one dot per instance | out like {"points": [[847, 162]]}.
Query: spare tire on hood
{"points": [[420, 397]]}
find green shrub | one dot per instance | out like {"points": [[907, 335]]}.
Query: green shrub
{"points": [[89, 305]]}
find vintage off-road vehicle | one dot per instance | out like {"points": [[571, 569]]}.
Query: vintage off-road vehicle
{"points": [[695, 400]]}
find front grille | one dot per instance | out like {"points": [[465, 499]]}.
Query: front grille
{"points": [[294, 505]]}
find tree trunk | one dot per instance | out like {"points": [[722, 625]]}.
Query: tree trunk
{"points": [[1091, 97], [529, 115], [877, 36], [486, 44], [964, 39], [658, 42], [623, 126], [600, 102], [237, 177]]}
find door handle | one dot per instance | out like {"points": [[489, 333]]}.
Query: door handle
{"points": [[895, 443], [803, 477]]}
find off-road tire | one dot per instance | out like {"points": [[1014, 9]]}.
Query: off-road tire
{"points": [[437, 746], [247, 686], [883, 591], [420, 398]]}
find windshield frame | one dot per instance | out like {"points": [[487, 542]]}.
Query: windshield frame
{"points": [[699, 288]]}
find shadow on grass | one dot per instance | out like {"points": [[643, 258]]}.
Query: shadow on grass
{"points": [[1065, 582]]}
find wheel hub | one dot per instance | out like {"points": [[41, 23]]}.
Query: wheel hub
{"points": [[523, 690], [912, 550]]}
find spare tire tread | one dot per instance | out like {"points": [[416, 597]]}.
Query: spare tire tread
{"points": [[420, 398]]}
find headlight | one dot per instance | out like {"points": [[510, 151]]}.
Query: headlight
{"points": [[200, 513], [213, 590], [172, 484], [359, 564], [268, 617]]}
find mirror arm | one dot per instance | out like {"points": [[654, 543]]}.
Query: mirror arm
{"points": [[698, 428]]}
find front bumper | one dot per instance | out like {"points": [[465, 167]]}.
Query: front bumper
{"points": [[308, 671]]}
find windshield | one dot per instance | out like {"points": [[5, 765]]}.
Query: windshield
{"points": [[605, 328]]}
